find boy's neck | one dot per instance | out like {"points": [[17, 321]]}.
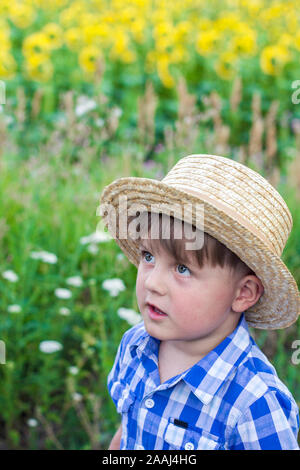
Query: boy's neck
{"points": [[176, 356]]}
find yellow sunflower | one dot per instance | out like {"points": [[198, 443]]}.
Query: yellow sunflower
{"points": [[88, 58], [207, 41], [273, 58], [54, 33], [226, 66]]}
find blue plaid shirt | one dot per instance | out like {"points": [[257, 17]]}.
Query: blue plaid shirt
{"points": [[231, 399]]}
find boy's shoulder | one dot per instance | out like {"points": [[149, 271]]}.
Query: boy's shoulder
{"points": [[259, 379], [134, 335]]}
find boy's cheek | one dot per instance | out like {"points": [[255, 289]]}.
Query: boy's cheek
{"points": [[139, 289]]}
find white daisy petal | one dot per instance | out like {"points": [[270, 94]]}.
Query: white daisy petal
{"points": [[113, 286], [131, 316], [84, 105], [64, 311], [50, 346], [32, 422], [77, 396], [45, 256], [14, 308], [96, 237], [62, 293], [75, 281], [10, 275]]}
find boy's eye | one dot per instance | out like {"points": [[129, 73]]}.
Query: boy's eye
{"points": [[182, 269], [147, 256]]}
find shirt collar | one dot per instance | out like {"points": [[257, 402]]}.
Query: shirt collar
{"points": [[144, 344], [207, 376]]}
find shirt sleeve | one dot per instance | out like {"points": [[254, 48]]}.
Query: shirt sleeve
{"points": [[114, 373], [270, 423]]}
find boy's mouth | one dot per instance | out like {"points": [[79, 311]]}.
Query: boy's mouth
{"points": [[154, 309]]}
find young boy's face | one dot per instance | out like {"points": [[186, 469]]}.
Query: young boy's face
{"points": [[196, 302]]}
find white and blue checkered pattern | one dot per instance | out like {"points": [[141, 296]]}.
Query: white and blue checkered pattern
{"points": [[231, 399]]}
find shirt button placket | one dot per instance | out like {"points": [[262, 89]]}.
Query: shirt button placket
{"points": [[149, 403]]}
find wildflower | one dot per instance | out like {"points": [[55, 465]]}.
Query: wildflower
{"points": [[226, 66], [84, 105], [96, 237], [113, 286], [207, 41], [32, 423], [88, 58], [99, 122], [7, 64], [14, 308], [131, 316], [49, 347], [64, 311], [93, 249], [73, 370], [10, 276], [297, 40], [44, 256], [22, 14], [77, 396], [273, 58], [41, 70], [73, 38], [116, 112], [75, 281], [36, 44], [244, 43], [62, 293], [54, 34]]}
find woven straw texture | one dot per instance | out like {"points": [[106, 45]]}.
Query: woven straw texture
{"points": [[241, 209]]}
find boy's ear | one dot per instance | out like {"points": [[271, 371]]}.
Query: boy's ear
{"points": [[248, 292]]}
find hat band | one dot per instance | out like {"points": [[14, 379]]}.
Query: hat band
{"points": [[232, 213]]}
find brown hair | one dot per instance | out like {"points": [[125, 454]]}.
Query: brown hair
{"points": [[213, 252]]}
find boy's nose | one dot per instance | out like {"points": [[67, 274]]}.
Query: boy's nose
{"points": [[155, 281]]}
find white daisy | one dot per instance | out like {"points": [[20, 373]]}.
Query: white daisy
{"points": [[131, 316], [32, 422], [75, 281], [73, 370], [93, 249], [62, 293], [77, 396], [10, 275], [84, 105], [45, 256], [113, 286], [96, 237], [50, 346], [64, 311], [14, 308]]}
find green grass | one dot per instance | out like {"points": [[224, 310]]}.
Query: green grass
{"points": [[49, 203]]}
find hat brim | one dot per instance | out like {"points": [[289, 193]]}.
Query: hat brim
{"points": [[278, 307]]}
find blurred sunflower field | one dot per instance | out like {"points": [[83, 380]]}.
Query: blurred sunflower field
{"points": [[91, 90]]}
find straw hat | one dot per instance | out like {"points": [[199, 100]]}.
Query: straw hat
{"points": [[241, 210]]}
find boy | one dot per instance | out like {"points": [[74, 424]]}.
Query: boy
{"points": [[190, 376]]}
